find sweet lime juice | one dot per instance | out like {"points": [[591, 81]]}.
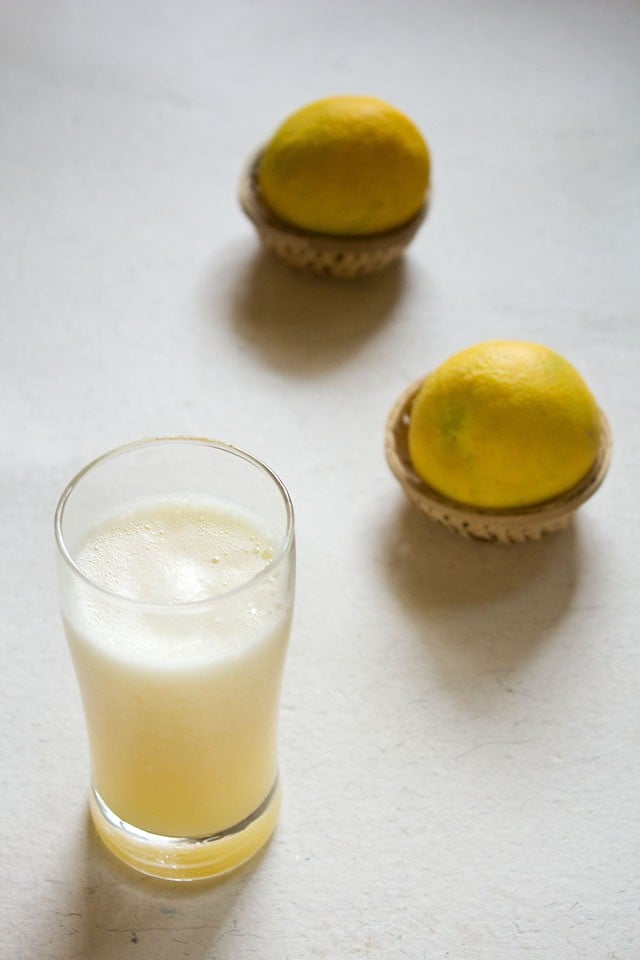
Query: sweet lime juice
{"points": [[179, 664]]}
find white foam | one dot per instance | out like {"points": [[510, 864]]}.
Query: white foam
{"points": [[172, 552], [175, 550]]}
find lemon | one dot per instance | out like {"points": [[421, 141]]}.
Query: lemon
{"points": [[346, 165], [504, 424]]}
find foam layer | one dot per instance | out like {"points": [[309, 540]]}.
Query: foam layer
{"points": [[175, 550]]}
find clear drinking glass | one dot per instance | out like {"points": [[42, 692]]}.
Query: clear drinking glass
{"points": [[176, 568]]}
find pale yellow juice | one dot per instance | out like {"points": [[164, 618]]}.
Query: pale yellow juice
{"points": [[180, 683]]}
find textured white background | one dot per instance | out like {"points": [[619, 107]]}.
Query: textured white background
{"points": [[460, 724]]}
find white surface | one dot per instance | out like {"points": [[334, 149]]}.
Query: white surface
{"points": [[460, 732]]}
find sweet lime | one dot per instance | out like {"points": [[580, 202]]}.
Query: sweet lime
{"points": [[504, 424], [345, 165]]}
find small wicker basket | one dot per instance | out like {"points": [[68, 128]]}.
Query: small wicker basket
{"points": [[322, 254], [505, 526]]}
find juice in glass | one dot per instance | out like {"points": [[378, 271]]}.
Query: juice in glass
{"points": [[176, 595]]}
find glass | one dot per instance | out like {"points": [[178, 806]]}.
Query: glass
{"points": [[176, 568]]}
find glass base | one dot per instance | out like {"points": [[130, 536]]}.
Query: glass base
{"points": [[186, 858]]}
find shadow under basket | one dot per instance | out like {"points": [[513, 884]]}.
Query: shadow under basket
{"points": [[323, 254], [505, 526]]}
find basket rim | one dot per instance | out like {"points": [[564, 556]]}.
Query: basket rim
{"points": [[543, 512], [263, 217]]}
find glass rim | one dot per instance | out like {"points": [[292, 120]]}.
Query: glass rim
{"points": [[181, 605]]}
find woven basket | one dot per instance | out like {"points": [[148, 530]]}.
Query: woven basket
{"points": [[322, 254], [505, 526]]}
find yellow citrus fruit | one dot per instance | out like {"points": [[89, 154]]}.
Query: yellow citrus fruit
{"points": [[345, 165], [504, 424]]}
